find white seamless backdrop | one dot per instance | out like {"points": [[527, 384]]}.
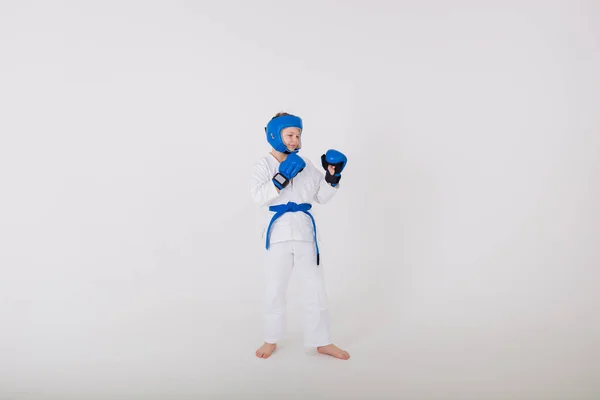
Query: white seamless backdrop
{"points": [[461, 252]]}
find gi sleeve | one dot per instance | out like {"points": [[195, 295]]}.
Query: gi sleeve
{"points": [[262, 188]]}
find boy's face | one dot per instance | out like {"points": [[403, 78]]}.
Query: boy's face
{"points": [[291, 138]]}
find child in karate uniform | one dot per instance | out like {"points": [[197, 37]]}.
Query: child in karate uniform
{"points": [[287, 185]]}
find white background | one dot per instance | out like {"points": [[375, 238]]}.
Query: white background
{"points": [[461, 254]]}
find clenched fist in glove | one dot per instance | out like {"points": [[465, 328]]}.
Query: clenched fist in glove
{"points": [[288, 169], [338, 161]]}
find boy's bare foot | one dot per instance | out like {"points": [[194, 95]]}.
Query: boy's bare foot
{"points": [[333, 350], [265, 350]]}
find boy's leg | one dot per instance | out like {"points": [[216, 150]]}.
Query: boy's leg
{"points": [[278, 268], [317, 331]]}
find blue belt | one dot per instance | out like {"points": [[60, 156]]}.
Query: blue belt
{"points": [[281, 209]]}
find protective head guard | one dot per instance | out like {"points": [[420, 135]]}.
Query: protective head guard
{"points": [[274, 128]]}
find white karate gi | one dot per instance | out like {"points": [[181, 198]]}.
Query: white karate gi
{"points": [[292, 245]]}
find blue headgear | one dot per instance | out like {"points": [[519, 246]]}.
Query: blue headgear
{"points": [[273, 130]]}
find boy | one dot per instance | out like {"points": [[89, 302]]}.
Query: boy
{"points": [[288, 184]]}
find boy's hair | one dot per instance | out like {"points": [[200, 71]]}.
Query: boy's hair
{"points": [[280, 114]]}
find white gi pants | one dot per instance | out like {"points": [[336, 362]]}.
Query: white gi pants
{"points": [[281, 259]]}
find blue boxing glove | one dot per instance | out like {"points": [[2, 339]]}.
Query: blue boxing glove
{"points": [[288, 169], [338, 160]]}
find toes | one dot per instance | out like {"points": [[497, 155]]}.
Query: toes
{"points": [[265, 350]]}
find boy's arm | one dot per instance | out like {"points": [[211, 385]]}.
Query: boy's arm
{"points": [[262, 188], [325, 191]]}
